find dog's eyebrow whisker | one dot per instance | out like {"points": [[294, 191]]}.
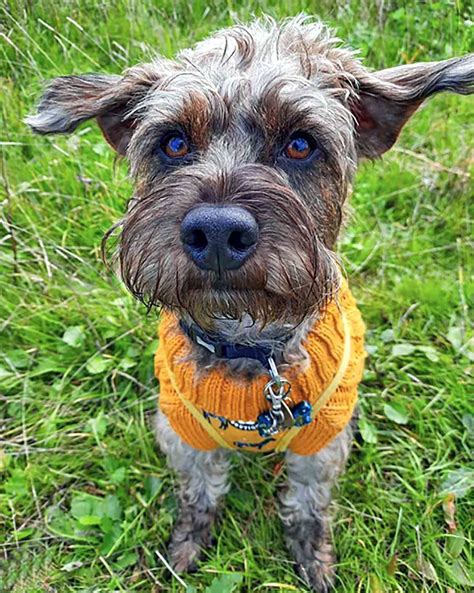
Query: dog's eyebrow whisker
{"points": [[277, 43], [192, 64]]}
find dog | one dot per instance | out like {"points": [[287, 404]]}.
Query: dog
{"points": [[243, 150]]}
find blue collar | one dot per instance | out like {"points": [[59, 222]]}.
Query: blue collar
{"points": [[229, 350]]}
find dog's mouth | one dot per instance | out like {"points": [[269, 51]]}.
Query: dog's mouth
{"points": [[224, 300], [224, 283], [221, 285], [221, 292]]}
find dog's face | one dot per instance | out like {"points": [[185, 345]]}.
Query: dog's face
{"points": [[243, 150]]}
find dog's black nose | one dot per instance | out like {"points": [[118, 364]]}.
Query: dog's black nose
{"points": [[219, 238]]}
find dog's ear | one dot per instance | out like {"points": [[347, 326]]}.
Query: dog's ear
{"points": [[387, 99], [70, 100]]}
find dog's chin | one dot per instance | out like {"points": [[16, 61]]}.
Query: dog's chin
{"points": [[208, 306]]}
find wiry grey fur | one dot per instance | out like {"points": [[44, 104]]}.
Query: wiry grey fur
{"points": [[238, 96], [304, 508], [203, 482]]}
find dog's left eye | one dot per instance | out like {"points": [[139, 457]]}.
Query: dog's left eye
{"points": [[175, 146], [299, 147]]}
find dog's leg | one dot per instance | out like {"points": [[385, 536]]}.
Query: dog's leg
{"points": [[304, 509], [203, 481]]}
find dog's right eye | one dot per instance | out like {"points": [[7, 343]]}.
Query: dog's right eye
{"points": [[175, 146], [300, 147]]}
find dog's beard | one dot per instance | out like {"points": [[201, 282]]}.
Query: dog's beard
{"points": [[282, 286]]}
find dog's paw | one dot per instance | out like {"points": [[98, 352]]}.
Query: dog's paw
{"points": [[318, 574], [188, 540], [316, 567], [184, 556]]}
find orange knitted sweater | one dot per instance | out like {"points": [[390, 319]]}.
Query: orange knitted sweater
{"points": [[211, 409]]}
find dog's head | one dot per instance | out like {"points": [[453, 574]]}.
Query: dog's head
{"points": [[243, 150]]}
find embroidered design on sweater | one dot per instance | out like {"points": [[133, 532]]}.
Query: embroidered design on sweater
{"points": [[215, 410]]}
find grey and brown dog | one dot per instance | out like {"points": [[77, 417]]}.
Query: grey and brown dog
{"points": [[243, 150]]}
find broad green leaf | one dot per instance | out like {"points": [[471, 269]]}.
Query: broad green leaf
{"points": [[133, 352], [371, 349], [151, 348], [47, 365], [100, 148], [98, 425], [152, 486], [74, 336], [17, 483], [403, 349], [430, 352], [118, 475], [127, 363], [4, 373], [455, 544], [24, 533], [15, 410], [459, 482], [81, 506], [396, 413], [98, 364], [89, 520], [18, 358], [468, 350], [224, 583], [126, 559], [398, 15], [112, 507], [455, 336], [368, 431], [109, 539], [388, 335], [461, 574], [65, 526]]}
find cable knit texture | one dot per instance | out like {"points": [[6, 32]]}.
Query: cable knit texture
{"points": [[228, 403]]}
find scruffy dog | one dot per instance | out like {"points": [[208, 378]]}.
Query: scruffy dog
{"points": [[243, 150]]}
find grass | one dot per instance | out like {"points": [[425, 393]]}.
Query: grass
{"points": [[86, 502]]}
